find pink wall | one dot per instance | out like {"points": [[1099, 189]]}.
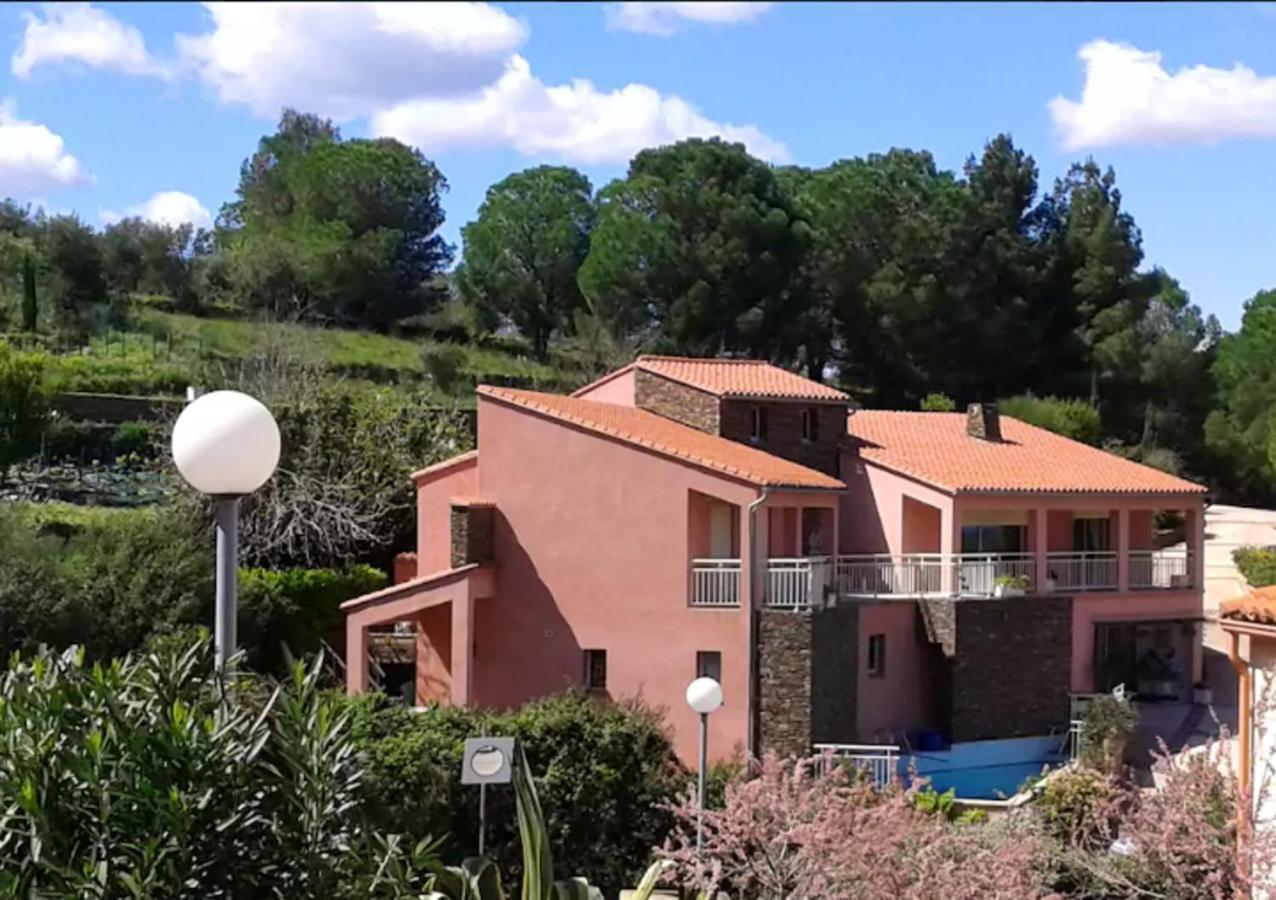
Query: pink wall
{"points": [[592, 552], [872, 508], [1087, 609], [899, 699], [434, 513], [921, 527], [618, 390]]}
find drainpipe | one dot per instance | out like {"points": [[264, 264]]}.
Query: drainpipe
{"points": [[1245, 726], [753, 646]]}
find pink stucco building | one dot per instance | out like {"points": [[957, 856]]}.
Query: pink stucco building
{"points": [[848, 576]]}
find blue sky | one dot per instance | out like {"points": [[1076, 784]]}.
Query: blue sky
{"points": [[112, 109]]}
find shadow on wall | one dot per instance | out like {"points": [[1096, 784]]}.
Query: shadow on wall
{"points": [[524, 648], [861, 525]]}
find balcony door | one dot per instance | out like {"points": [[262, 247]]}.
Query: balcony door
{"points": [[721, 531], [994, 538]]}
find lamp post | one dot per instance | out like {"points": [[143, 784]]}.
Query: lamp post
{"points": [[226, 445], [704, 695]]}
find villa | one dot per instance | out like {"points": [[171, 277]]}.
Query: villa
{"points": [[850, 576]]}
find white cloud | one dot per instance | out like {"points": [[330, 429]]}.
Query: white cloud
{"points": [[347, 60], [575, 121], [666, 18], [171, 208], [32, 157], [1130, 98], [81, 33]]}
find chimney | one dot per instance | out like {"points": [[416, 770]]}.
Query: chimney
{"points": [[983, 421]]}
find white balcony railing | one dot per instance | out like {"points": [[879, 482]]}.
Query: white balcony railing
{"points": [[883, 575], [797, 582], [879, 762], [1160, 570], [979, 574], [715, 582], [1082, 571]]}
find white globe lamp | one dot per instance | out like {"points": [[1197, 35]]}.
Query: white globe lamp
{"points": [[704, 695], [225, 445]]}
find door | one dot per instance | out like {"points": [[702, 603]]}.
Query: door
{"points": [[721, 531]]}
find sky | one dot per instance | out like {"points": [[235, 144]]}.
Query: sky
{"points": [[110, 110]]}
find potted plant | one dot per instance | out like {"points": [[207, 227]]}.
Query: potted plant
{"points": [[1106, 728], [1010, 585], [1202, 694]]}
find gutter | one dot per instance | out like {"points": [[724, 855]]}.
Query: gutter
{"points": [[1245, 727], [751, 726]]}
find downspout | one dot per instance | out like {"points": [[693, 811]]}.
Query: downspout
{"points": [[1245, 726], [753, 646]]}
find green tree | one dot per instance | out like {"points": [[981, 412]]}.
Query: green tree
{"points": [[698, 249], [336, 230], [23, 404], [73, 262], [1074, 419], [1241, 432], [30, 301], [523, 252]]}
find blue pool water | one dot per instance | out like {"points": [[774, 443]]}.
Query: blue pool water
{"points": [[985, 770]]}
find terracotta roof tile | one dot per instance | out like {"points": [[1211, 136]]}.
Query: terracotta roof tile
{"points": [[470, 456], [664, 436], [1258, 606], [738, 378], [935, 448]]}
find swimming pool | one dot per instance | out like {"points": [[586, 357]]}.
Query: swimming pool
{"points": [[985, 770]]}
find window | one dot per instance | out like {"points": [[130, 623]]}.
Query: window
{"points": [[877, 655], [709, 665], [759, 424], [810, 425], [994, 538], [595, 670], [1091, 535]]}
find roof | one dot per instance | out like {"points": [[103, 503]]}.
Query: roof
{"points": [[934, 447], [1257, 607], [438, 468], [752, 378], [668, 438]]}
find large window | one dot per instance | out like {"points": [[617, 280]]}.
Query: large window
{"points": [[595, 670], [994, 538], [1091, 535]]}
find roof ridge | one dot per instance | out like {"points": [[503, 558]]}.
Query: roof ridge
{"points": [[738, 361]]}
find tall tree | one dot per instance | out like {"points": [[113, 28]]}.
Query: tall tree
{"points": [[525, 249], [698, 249], [339, 230], [73, 260], [30, 302], [1242, 431]]}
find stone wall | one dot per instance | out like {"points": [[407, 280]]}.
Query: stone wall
{"points": [[1009, 672], [784, 430], [472, 533], [834, 674], [784, 682], [676, 401]]}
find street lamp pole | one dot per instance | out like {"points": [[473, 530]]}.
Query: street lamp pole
{"points": [[704, 695], [226, 445], [226, 512]]}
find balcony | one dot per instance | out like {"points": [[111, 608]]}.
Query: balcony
{"points": [[790, 582], [987, 574], [715, 582]]}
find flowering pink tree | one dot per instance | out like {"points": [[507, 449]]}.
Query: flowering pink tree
{"points": [[802, 830]]}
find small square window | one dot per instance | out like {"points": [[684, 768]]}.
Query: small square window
{"points": [[709, 665], [810, 425], [877, 655], [759, 424], [595, 670]]}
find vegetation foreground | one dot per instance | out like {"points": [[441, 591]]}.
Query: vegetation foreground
{"points": [[149, 776]]}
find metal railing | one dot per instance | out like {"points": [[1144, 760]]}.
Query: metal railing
{"points": [[715, 582], [1083, 571], [796, 582], [880, 762], [1160, 570], [980, 574], [883, 575]]}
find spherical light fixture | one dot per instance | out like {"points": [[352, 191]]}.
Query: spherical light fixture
{"points": [[226, 444], [704, 695]]}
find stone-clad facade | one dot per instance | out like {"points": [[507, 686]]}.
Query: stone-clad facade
{"points": [[1008, 664], [784, 430], [690, 406], [472, 538]]}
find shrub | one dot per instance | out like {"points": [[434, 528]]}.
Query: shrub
{"points": [[142, 778], [1072, 803], [295, 609], [1256, 564], [23, 404], [938, 403], [608, 777], [1074, 419], [445, 364]]}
